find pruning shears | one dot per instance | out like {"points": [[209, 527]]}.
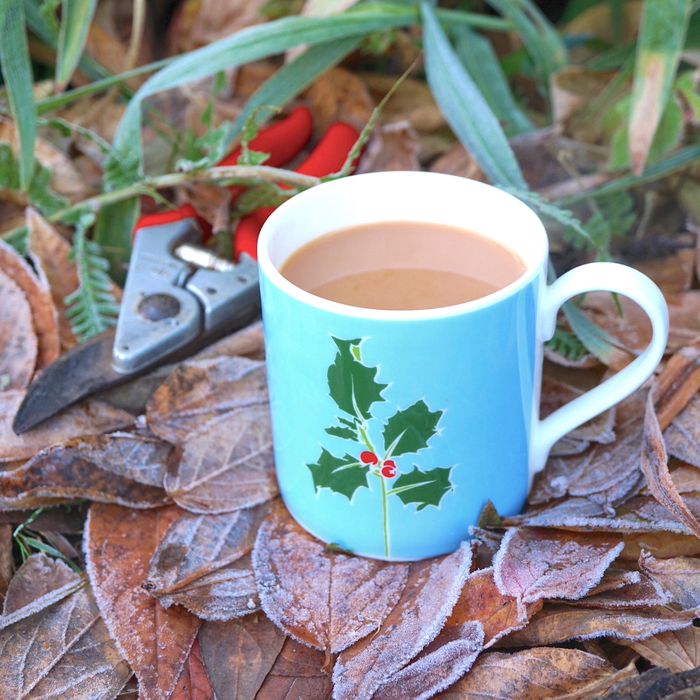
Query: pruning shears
{"points": [[179, 297]]}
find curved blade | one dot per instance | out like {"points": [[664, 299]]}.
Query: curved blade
{"points": [[82, 371]]}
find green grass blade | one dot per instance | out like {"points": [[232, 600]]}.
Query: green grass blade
{"points": [[481, 62], [465, 108], [17, 74], [288, 82], [76, 17], [661, 40], [542, 41]]}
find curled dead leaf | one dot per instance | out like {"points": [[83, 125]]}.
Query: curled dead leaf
{"points": [[680, 576], [324, 599], [18, 342], [682, 437], [677, 651]]}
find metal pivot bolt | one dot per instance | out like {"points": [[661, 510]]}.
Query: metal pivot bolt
{"points": [[157, 307]]}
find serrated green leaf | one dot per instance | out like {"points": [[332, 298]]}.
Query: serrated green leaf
{"points": [[661, 39], [483, 66], [76, 17], [423, 488], [17, 73], [342, 432], [352, 385], [342, 475], [465, 108], [410, 430]]}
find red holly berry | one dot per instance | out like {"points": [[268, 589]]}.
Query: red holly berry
{"points": [[388, 469], [368, 457]]}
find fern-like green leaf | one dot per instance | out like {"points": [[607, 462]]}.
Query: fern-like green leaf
{"points": [[92, 308]]}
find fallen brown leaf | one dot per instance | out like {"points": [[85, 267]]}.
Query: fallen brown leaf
{"points": [[663, 544], [677, 384], [227, 464], [430, 594], [392, 146], [480, 600], [298, 672], [485, 544], [247, 342], [657, 683], [18, 342], [200, 564], [677, 651], [89, 418], [62, 648], [642, 593], [559, 622], [199, 390], [339, 94], [65, 472], [134, 457], [119, 543], [7, 562], [654, 465], [324, 599], [682, 436], [194, 683], [448, 657], [538, 673], [680, 576], [533, 565], [239, 654], [38, 295]]}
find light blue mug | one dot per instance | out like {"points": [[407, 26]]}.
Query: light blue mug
{"points": [[392, 429]]}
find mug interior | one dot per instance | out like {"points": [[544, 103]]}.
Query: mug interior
{"points": [[433, 198]]}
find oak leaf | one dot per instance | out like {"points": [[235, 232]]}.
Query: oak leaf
{"points": [[239, 654], [431, 592], [325, 599], [228, 464], [119, 543]]}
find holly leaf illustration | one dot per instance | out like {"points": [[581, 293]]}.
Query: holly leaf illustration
{"points": [[423, 488], [352, 385], [409, 430], [340, 474], [342, 432]]}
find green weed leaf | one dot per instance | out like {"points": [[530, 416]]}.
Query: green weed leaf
{"points": [[423, 488], [344, 475], [76, 17], [410, 430]]}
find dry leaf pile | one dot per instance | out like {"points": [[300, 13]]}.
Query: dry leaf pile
{"points": [[198, 584]]}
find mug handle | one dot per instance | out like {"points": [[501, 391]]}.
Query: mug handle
{"points": [[611, 277]]}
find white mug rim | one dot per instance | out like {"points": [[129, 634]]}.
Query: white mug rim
{"points": [[272, 273]]}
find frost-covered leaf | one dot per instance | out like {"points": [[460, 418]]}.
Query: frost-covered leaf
{"points": [[89, 418], [239, 654], [654, 465], [325, 599], [194, 682], [677, 384], [448, 657], [481, 600], [63, 472], [537, 564], [38, 296], [298, 672], [18, 341], [227, 464], [683, 435], [557, 623], [57, 646], [119, 543], [431, 592], [677, 651], [657, 683], [680, 576], [536, 674], [200, 563], [424, 488], [639, 594], [201, 389], [352, 385], [339, 474], [410, 430]]}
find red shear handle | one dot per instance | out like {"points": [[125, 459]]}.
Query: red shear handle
{"points": [[327, 158], [282, 141]]}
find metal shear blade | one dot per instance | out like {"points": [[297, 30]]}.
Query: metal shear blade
{"points": [[177, 299]]}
